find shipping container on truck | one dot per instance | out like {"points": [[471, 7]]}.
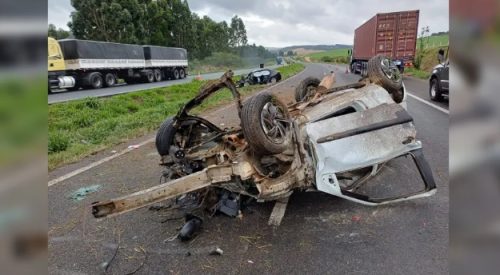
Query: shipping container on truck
{"points": [[76, 63], [392, 34]]}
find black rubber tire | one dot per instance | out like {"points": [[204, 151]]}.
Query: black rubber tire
{"points": [[158, 75], [175, 74], [109, 80], [438, 95], [182, 73], [378, 76], [149, 77], [252, 129], [301, 91], [165, 136], [94, 80]]}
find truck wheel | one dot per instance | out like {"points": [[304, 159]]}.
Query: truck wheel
{"points": [[149, 76], [306, 88], [158, 75], [266, 124], [182, 74], [110, 80], [94, 80], [382, 72], [176, 74], [434, 90], [165, 136]]}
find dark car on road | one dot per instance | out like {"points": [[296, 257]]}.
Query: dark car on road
{"points": [[440, 78], [260, 76]]}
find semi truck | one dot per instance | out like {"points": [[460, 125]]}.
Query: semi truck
{"points": [[391, 34], [74, 64]]}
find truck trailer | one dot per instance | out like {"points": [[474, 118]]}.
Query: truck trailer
{"points": [[391, 34], [74, 64]]}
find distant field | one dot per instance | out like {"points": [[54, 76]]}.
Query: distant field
{"points": [[435, 41], [330, 53]]}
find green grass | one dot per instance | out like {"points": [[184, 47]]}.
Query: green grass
{"points": [[83, 127], [331, 56], [434, 41], [330, 53]]}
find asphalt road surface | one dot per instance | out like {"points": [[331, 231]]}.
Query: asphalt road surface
{"points": [[63, 95], [320, 234]]}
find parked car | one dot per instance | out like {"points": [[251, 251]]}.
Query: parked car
{"points": [[259, 76], [332, 139], [440, 78]]}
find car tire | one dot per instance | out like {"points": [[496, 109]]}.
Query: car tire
{"points": [[306, 88], [158, 75], [265, 123], [182, 74], [165, 136], [109, 80], [176, 74], [434, 90], [379, 72]]}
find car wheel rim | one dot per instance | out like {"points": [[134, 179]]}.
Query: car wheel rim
{"points": [[274, 122], [433, 90], [390, 71]]}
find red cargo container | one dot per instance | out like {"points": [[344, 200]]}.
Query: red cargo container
{"points": [[392, 34]]}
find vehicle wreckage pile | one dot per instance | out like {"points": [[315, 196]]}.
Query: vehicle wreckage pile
{"points": [[332, 139]]}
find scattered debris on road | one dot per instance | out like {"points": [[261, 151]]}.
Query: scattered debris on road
{"points": [[82, 193], [216, 251]]}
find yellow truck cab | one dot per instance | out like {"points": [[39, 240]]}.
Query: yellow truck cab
{"points": [[57, 67], [56, 58]]}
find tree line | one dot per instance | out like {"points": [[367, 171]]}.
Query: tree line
{"points": [[158, 22]]}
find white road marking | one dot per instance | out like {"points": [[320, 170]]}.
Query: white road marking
{"points": [[96, 163], [429, 104], [106, 159]]}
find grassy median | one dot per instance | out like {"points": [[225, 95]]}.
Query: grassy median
{"points": [[83, 127]]}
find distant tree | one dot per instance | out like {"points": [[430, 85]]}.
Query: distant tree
{"points": [[57, 33], [290, 53], [281, 53], [237, 32], [424, 32]]}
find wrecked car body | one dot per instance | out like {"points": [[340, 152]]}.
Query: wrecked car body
{"points": [[333, 139], [259, 76]]}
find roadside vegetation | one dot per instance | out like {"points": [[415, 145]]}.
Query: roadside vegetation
{"points": [[83, 127], [426, 54], [222, 61], [331, 56]]}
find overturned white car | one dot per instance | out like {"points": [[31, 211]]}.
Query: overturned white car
{"points": [[331, 140]]}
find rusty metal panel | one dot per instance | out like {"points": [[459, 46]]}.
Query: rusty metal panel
{"points": [[364, 40], [392, 34]]}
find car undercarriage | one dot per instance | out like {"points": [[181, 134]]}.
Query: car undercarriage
{"points": [[332, 139]]}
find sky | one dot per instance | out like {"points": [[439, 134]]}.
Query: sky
{"points": [[281, 23]]}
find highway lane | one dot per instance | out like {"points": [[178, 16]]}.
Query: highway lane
{"points": [[320, 234], [63, 96]]}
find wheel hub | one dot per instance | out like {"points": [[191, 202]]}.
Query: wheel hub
{"points": [[390, 70], [274, 122]]}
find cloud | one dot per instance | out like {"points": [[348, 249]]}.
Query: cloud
{"points": [[280, 23]]}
